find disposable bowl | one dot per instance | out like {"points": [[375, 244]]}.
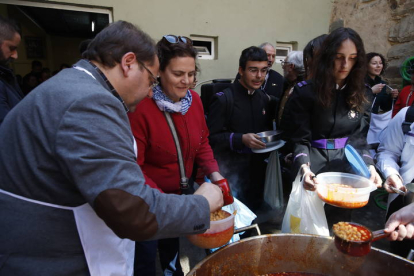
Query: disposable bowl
{"points": [[355, 196], [219, 233]]}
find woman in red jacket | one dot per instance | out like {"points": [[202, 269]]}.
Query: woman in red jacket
{"points": [[405, 98], [157, 152]]}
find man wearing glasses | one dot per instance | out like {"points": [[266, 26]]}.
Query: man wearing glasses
{"points": [[273, 81], [72, 197], [235, 116]]}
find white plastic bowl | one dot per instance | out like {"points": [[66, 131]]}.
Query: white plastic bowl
{"points": [[350, 198], [219, 233]]}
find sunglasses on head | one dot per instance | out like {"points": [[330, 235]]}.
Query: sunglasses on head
{"points": [[175, 39]]}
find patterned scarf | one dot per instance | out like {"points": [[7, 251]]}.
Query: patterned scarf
{"points": [[166, 104]]}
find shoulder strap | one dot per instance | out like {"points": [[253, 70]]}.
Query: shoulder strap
{"points": [[409, 119], [183, 179]]}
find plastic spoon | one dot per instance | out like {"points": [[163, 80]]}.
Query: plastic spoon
{"points": [[358, 248]]}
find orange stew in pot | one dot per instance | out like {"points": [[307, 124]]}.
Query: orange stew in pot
{"points": [[291, 274]]}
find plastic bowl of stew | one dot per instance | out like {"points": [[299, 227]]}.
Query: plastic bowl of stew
{"points": [[344, 190], [219, 233]]}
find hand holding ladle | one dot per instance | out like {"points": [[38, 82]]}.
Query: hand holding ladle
{"points": [[400, 224]]}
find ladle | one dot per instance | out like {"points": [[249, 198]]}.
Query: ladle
{"points": [[397, 191], [410, 187], [358, 248]]}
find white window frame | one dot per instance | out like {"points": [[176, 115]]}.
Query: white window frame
{"points": [[283, 46], [71, 7], [208, 39]]}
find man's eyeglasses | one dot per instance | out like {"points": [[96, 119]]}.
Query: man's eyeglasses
{"points": [[255, 70], [154, 79], [284, 63], [175, 39]]}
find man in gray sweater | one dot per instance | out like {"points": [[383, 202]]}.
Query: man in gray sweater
{"points": [[72, 197]]}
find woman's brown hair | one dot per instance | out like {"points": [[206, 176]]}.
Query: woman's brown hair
{"points": [[324, 66]]}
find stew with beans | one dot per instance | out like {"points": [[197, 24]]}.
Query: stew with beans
{"points": [[291, 274], [349, 232]]}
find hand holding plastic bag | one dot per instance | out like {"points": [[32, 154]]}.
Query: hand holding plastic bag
{"points": [[304, 213]]}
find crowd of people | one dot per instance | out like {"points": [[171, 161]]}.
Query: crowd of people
{"points": [[36, 76], [100, 157]]}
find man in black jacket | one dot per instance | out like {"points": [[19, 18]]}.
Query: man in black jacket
{"points": [[10, 93], [235, 116], [273, 84]]}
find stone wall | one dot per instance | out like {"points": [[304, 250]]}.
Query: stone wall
{"points": [[386, 26]]}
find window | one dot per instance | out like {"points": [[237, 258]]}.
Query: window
{"points": [[205, 46], [282, 50]]}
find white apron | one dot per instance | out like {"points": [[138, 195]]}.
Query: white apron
{"points": [[105, 252], [377, 124]]}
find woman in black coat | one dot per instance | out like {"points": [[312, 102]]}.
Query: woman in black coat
{"points": [[330, 111], [383, 98]]}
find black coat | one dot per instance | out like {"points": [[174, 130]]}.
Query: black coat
{"points": [[274, 84], [10, 93], [306, 120], [250, 114], [383, 100]]}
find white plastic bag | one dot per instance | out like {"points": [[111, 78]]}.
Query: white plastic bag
{"points": [[304, 212], [244, 215], [273, 190]]}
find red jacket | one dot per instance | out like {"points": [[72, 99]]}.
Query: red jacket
{"points": [[157, 154], [402, 100]]}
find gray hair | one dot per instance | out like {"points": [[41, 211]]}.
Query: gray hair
{"points": [[296, 58], [265, 44]]}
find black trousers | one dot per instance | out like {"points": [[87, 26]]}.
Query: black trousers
{"points": [[146, 255]]}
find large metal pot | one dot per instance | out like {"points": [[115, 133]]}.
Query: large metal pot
{"points": [[297, 253]]}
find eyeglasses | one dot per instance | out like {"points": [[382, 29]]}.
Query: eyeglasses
{"points": [[155, 81], [255, 70], [175, 39], [284, 63]]}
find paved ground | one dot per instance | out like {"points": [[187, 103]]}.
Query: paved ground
{"points": [[269, 222]]}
